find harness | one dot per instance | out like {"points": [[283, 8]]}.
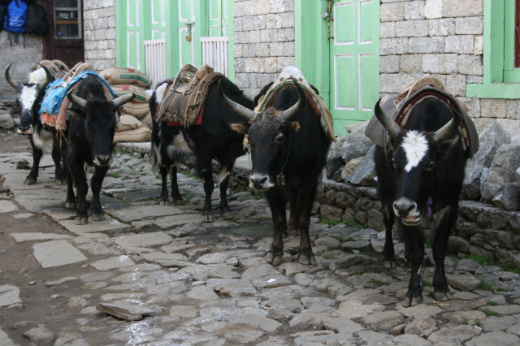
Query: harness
{"points": [[280, 178]]}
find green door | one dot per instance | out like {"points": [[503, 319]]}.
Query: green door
{"points": [[130, 34], [354, 61]]}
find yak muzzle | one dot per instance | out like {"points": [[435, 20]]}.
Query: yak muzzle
{"points": [[260, 182], [103, 160], [407, 211], [22, 130]]}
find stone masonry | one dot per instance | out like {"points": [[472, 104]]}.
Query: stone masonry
{"points": [[440, 38], [264, 41], [100, 33]]}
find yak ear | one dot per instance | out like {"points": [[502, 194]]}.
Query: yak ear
{"points": [[239, 127], [295, 126]]}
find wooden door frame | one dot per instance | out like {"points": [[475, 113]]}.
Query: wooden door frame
{"points": [[49, 41]]}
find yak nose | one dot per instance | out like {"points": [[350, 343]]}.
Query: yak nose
{"points": [[259, 181], [404, 207], [103, 160], [24, 130]]}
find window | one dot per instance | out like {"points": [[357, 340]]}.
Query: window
{"points": [[67, 19]]}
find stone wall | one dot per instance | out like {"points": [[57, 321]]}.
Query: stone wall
{"points": [[264, 41], [441, 38], [24, 52], [100, 33]]}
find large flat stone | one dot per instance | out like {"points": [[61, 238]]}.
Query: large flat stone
{"points": [[38, 236], [140, 212], [7, 206], [109, 226], [57, 253], [172, 221], [146, 239], [9, 295], [4, 339], [113, 263]]}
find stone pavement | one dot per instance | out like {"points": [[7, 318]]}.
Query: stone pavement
{"points": [[152, 275]]}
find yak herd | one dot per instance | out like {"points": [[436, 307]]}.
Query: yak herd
{"points": [[420, 167]]}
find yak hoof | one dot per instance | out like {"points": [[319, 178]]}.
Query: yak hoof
{"points": [[307, 260], [441, 296], [59, 182], [407, 302], [98, 217], [227, 215], [207, 218], [163, 203], [274, 260], [81, 220], [70, 205], [389, 264], [30, 181]]}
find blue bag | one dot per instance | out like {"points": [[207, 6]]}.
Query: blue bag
{"points": [[16, 16]]}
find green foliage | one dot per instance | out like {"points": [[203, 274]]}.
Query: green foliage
{"points": [[492, 303], [329, 257], [379, 283], [480, 259], [337, 237], [426, 283], [115, 174], [367, 248], [330, 222], [355, 273], [490, 313], [484, 284]]}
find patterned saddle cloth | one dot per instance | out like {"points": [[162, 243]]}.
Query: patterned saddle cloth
{"points": [[400, 107], [317, 104], [53, 110], [185, 95]]}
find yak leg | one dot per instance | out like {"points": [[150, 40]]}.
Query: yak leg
{"points": [[56, 157], [388, 218], [414, 247], [80, 181], [225, 210], [37, 156], [301, 203], [207, 175], [176, 194], [446, 219], [163, 199], [277, 203], [96, 183], [70, 202]]}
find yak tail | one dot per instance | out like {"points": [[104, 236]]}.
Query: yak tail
{"points": [[180, 155]]}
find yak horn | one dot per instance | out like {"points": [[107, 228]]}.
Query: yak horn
{"points": [[388, 123], [48, 77], [77, 100], [236, 107], [290, 113], [448, 129], [9, 80], [121, 100]]}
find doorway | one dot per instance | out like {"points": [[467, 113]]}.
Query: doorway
{"points": [[64, 41]]}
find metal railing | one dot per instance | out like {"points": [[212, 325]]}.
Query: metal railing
{"points": [[215, 53], [155, 51]]}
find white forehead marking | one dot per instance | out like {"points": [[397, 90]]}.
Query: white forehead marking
{"points": [[28, 96], [415, 147]]}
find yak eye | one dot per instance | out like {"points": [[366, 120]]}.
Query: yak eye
{"points": [[279, 139], [430, 166]]}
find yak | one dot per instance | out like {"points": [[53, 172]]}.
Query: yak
{"points": [[211, 139], [29, 97], [419, 175], [90, 136], [288, 152]]}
